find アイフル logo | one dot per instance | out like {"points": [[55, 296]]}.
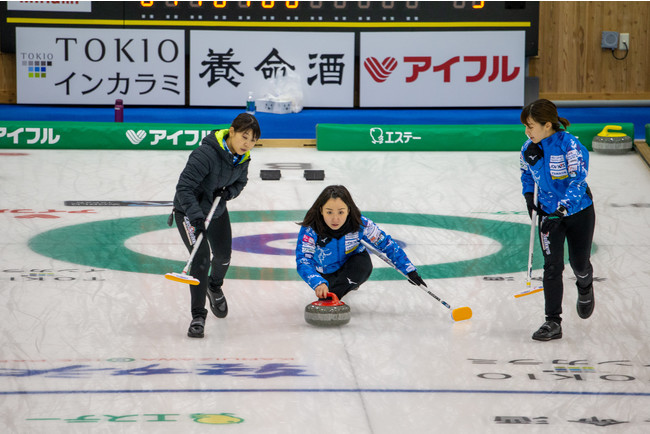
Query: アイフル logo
{"points": [[380, 71], [134, 137]]}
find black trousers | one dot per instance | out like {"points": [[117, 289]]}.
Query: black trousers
{"points": [[578, 231], [209, 271], [355, 271]]}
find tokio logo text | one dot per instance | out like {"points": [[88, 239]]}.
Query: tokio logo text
{"points": [[37, 64], [49, 274], [380, 136], [120, 51], [612, 371]]}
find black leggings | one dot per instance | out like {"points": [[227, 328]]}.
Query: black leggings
{"points": [[355, 271], [219, 241], [578, 230]]}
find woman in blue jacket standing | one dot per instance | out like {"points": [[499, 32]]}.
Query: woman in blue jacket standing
{"points": [[329, 253], [558, 163]]}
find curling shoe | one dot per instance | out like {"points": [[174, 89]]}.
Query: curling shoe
{"points": [[196, 327], [585, 304], [218, 304], [549, 330]]}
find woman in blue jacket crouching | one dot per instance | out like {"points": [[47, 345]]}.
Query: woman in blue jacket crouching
{"points": [[329, 253]]}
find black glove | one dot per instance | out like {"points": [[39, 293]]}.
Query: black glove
{"points": [[552, 221], [221, 192], [199, 226], [415, 279], [530, 204], [533, 154], [225, 194]]}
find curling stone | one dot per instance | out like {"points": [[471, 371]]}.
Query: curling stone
{"points": [[608, 142], [327, 312]]}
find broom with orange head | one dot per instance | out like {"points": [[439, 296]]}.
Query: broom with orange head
{"points": [[530, 289], [458, 314], [183, 277]]}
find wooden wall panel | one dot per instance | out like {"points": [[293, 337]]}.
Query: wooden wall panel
{"points": [[7, 78], [572, 66]]}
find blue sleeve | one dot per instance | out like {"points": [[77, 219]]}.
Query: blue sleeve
{"points": [[383, 242], [305, 262], [527, 181]]}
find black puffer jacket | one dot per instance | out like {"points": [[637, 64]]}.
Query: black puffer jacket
{"points": [[209, 169]]}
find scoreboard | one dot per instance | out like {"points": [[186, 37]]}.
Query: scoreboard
{"points": [[279, 15]]}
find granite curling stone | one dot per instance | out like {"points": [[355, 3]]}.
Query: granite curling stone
{"points": [[329, 312], [608, 142]]}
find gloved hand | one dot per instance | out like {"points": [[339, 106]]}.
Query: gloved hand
{"points": [[533, 154], [199, 226], [552, 221], [221, 192], [226, 194], [415, 279], [530, 204]]}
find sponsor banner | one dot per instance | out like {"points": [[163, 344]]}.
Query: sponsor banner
{"points": [[98, 66], [166, 418], [316, 69], [49, 275], [50, 213], [51, 6], [102, 135], [117, 203], [214, 370], [442, 69], [362, 137], [142, 136]]}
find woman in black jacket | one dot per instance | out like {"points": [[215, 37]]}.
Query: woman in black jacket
{"points": [[216, 170]]}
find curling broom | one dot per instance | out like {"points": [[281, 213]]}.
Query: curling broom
{"points": [[183, 277], [458, 314], [529, 288]]}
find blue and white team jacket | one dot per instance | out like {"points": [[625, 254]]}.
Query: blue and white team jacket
{"points": [[314, 258], [561, 174]]}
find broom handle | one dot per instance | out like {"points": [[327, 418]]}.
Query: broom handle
{"points": [[199, 239], [533, 223], [389, 262]]}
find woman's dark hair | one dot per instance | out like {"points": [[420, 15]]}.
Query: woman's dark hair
{"points": [[244, 122], [543, 111], [314, 218]]}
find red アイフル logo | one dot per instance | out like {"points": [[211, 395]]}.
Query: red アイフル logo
{"points": [[380, 71]]}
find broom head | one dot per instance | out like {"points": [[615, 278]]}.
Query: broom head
{"points": [[182, 278]]}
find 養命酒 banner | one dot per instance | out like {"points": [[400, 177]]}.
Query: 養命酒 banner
{"points": [[313, 68]]}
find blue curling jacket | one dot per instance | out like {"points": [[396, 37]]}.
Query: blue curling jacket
{"points": [[315, 257], [560, 174]]}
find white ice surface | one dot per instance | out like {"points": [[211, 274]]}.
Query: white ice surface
{"points": [[81, 345]]}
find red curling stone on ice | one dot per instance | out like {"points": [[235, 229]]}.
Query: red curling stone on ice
{"points": [[331, 312]]}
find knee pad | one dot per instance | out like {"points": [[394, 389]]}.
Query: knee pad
{"points": [[553, 271]]}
